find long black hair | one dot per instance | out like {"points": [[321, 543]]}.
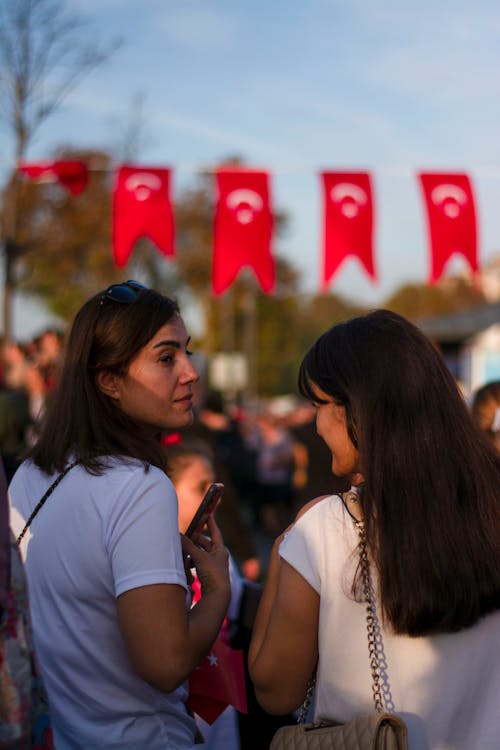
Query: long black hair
{"points": [[431, 495], [81, 420]]}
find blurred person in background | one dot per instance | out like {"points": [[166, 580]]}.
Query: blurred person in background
{"points": [[49, 350], [485, 409], [22, 399], [273, 444], [191, 468], [233, 467]]}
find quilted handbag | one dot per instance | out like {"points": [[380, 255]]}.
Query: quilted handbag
{"points": [[377, 730], [374, 731]]}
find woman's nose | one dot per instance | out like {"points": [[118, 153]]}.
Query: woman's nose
{"points": [[191, 374]]}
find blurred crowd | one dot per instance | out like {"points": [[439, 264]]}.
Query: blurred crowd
{"points": [[28, 374], [269, 458]]}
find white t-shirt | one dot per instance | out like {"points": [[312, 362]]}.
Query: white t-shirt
{"points": [[95, 538], [446, 687]]}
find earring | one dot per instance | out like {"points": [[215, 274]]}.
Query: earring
{"points": [[351, 496]]}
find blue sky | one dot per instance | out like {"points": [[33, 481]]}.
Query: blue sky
{"points": [[297, 87]]}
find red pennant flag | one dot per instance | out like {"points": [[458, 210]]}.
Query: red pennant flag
{"points": [[218, 682], [243, 228], [142, 208], [348, 221], [73, 175], [451, 217]]}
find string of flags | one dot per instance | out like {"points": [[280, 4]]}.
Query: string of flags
{"points": [[243, 221]]}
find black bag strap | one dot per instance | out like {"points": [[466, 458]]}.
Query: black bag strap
{"points": [[44, 498]]}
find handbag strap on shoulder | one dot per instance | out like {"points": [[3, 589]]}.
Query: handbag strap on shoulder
{"points": [[44, 498], [374, 635], [373, 632]]}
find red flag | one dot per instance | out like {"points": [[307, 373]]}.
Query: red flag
{"points": [[348, 221], [451, 217], [218, 682], [243, 228], [73, 175], [142, 208]]}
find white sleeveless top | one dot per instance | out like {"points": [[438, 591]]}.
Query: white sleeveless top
{"points": [[446, 687]]}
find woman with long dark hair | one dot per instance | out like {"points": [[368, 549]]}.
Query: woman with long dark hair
{"points": [[115, 636], [426, 487]]}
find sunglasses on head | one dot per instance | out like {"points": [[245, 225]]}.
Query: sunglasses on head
{"points": [[124, 293]]}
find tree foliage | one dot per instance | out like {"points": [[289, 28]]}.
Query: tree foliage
{"points": [[452, 294]]}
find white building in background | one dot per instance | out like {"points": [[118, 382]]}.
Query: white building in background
{"points": [[470, 343]]}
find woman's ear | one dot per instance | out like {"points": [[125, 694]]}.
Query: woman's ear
{"points": [[108, 383]]}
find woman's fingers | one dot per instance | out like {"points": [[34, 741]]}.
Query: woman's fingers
{"points": [[215, 532]]}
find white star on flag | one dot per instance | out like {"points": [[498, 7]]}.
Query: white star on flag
{"points": [[212, 659]]}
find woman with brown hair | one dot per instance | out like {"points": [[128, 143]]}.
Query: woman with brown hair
{"points": [[425, 487], [109, 598]]}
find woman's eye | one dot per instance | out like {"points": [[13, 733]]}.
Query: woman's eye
{"points": [[189, 353], [167, 358]]}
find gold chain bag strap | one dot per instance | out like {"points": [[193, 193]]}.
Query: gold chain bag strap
{"points": [[377, 730]]}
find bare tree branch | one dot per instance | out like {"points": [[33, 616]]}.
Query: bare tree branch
{"points": [[44, 53]]}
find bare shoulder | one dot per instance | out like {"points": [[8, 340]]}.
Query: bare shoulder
{"points": [[310, 505]]}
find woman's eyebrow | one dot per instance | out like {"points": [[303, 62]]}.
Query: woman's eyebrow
{"points": [[167, 342], [171, 342]]}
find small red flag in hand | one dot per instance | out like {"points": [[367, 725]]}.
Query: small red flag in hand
{"points": [[348, 221], [73, 174], [243, 228], [451, 217], [142, 208], [218, 682]]}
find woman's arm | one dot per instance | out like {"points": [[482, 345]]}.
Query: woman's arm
{"points": [[164, 640], [284, 648]]}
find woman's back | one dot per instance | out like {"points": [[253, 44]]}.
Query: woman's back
{"points": [[95, 537], [445, 687]]}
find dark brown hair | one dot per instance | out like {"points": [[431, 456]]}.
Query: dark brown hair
{"points": [[431, 495], [179, 455], [83, 422]]}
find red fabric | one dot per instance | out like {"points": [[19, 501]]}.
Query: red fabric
{"points": [[219, 680], [243, 228], [451, 219], [73, 175], [142, 208], [348, 221]]}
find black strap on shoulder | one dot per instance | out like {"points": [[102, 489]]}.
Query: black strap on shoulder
{"points": [[44, 498]]}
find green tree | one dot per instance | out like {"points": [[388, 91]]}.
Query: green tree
{"points": [[322, 311], [452, 294], [67, 242]]}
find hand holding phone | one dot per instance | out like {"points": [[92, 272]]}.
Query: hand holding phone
{"points": [[206, 508]]}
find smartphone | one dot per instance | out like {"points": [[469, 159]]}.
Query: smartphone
{"points": [[207, 506]]}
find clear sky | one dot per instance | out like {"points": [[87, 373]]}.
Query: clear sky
{"points": [[300, 86]]}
